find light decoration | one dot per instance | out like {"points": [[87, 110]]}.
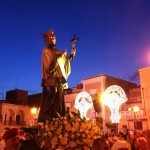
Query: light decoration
{"points": [[113, 97], [134, 109], [34, 112], [83, 103]]}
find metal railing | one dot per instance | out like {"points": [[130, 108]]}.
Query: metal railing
{"points": [[14, 123]]}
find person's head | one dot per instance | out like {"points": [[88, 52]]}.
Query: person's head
{"points": [[28, 133], [29, 145], [122, 136], [137, 134], [11, 138], [7, 128], [142, 142], [100, 144], [50, 38]]}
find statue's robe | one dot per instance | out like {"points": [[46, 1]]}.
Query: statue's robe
{"points": [[55, 71]]}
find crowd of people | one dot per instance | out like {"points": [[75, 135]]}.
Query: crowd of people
{"points": [[133, 140], [14, 139]]}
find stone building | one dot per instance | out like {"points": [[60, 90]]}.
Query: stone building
{"points": [[15, 111], [97, 85], [145, 92]]}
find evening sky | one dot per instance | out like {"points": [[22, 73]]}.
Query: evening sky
{"points": [[114, 39]]}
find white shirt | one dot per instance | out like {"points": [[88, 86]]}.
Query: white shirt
{"points": [[121, 144]]}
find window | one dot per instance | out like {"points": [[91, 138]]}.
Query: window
{"points": [[5, 118], [17, 119], [138, 125], [68, 110], [124, 126], [10, 120], [92, 91]]}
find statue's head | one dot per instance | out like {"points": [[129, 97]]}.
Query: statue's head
{"points": [[50, 38]]}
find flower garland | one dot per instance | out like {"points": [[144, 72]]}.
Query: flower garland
{"points": [[67, 133]]}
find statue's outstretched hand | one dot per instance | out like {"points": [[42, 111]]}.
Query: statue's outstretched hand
{"points": [[73, 51]]}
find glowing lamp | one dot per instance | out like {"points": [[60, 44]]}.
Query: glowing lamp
{"points": [[134, 109], [129, 109], [34, 112]]}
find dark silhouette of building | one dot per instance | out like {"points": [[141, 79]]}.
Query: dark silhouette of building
{"points": [[17, 96]]}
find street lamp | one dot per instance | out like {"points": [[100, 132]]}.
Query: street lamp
{"points": [[34, 111], [134, 110]]}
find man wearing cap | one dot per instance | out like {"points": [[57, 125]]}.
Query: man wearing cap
{"points": [[11, 138]]}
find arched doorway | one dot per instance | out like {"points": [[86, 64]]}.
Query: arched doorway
{"points": [[9, 117], [20, 118]]}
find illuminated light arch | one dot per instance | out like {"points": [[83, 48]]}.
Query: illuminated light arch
{"points": [[83, 103], [114, 96]]}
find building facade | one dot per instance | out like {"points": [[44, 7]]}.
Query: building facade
{"points": [[96, 86], [16, 109]]}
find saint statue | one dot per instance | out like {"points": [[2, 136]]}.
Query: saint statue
{"points": [[55, 71]]}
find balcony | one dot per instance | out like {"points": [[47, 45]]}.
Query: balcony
{"points": [[14, 123]]}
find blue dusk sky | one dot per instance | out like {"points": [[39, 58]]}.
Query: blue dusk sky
{"points": [[114, 39]]}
